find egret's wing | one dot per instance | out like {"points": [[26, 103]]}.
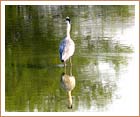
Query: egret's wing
{"points": [[65, 54], [62, 47]]}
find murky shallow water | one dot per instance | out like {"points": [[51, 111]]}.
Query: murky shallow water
{"points": [[102, 63]]}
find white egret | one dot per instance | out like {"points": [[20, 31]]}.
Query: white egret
{"points": [[67, 46]]}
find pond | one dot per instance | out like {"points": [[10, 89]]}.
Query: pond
{"points": [[102, 62]]}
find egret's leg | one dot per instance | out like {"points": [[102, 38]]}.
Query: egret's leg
{"points": [[70, 70], [65, 67], [64, 63], [70, 61]]}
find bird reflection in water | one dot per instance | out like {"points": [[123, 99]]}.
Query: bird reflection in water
{"points": [[68, 84]]}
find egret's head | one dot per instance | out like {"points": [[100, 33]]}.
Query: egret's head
{"points": [[68, 20]]}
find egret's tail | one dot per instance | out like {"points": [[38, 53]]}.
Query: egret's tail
{"points": [[62, 61]]}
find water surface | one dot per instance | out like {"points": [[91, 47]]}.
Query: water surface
{"points": [[103, 55]]}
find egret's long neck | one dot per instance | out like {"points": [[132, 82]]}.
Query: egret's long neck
{"points": [[68, 29], [69, 99]]}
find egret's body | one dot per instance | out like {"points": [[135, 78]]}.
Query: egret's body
{"points": [[67, 46], [68, 84]]}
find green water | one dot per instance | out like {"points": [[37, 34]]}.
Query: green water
{"points": [[33, 69]]}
